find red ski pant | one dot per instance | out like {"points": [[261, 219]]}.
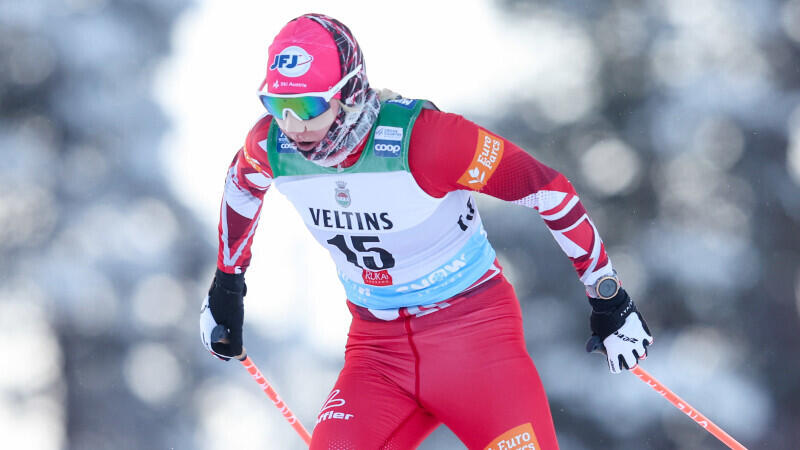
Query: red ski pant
{"points": [[462, 363]]}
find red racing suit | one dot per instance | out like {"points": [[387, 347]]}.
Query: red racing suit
{"points": [[463, 361]]}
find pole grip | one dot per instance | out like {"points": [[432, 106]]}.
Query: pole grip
{"points": [[220, 335]]}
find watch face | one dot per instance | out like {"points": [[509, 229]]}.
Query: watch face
{"points": [[607, 288]]}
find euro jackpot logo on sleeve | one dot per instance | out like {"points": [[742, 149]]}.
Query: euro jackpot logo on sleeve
{"points": [[488, 153], [518, 438]]}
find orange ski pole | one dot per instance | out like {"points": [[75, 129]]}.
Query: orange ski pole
{"points": [[687, 409], [279, 403], [595, 344], [219, 334]]}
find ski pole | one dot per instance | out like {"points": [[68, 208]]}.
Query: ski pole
{"points": [[220, 334], [596, 345]]}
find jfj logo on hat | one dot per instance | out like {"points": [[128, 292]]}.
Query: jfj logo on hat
{"points": [[292, 62]]}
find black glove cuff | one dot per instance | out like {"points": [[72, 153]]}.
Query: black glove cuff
{"points": [[233, 282], [610, 315], [601, 306]]}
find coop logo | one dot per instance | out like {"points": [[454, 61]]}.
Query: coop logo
{"points": [[387, 141], [292, 62], [387, 150], [284, 144], [404, 102]]}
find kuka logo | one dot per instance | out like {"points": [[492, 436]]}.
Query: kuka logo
{"points": [[292, 62], [379, 278]]}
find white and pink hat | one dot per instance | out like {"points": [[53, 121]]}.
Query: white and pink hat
{"points": [[302, 58], [312, 53]]}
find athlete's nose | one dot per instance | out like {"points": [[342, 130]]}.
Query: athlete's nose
{"points": [[293, 124]]}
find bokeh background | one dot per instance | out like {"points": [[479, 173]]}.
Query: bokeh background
{"points": [[676, 120]]}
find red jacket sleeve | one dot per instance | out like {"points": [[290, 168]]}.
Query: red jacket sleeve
{"points": [[249, 176], [448, 153]]}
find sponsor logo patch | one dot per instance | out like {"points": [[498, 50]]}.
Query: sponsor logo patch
{"points": [[404, 102], [293, 61], [380, 278], [333, 402], [518, 438], [488, 153], [387, 141], [342, 194], [284, 144]]}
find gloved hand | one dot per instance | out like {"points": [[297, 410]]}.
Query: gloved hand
{"points": [[224, 305], [622, 330]]}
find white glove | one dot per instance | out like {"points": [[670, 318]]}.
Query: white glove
{"points": [[619, 331], [627, 345]]}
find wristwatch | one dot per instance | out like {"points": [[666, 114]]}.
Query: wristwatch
{"points": [[605, 287]]}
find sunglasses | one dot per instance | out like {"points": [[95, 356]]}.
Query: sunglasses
{"points": [[303, 106]]}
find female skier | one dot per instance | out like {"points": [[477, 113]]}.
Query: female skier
{"points": [[385, 183]]}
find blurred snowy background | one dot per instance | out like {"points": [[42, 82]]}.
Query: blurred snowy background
{"points": [[677, 121]]}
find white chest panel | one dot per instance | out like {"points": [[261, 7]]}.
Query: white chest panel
{"points": [[393, 244]]}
